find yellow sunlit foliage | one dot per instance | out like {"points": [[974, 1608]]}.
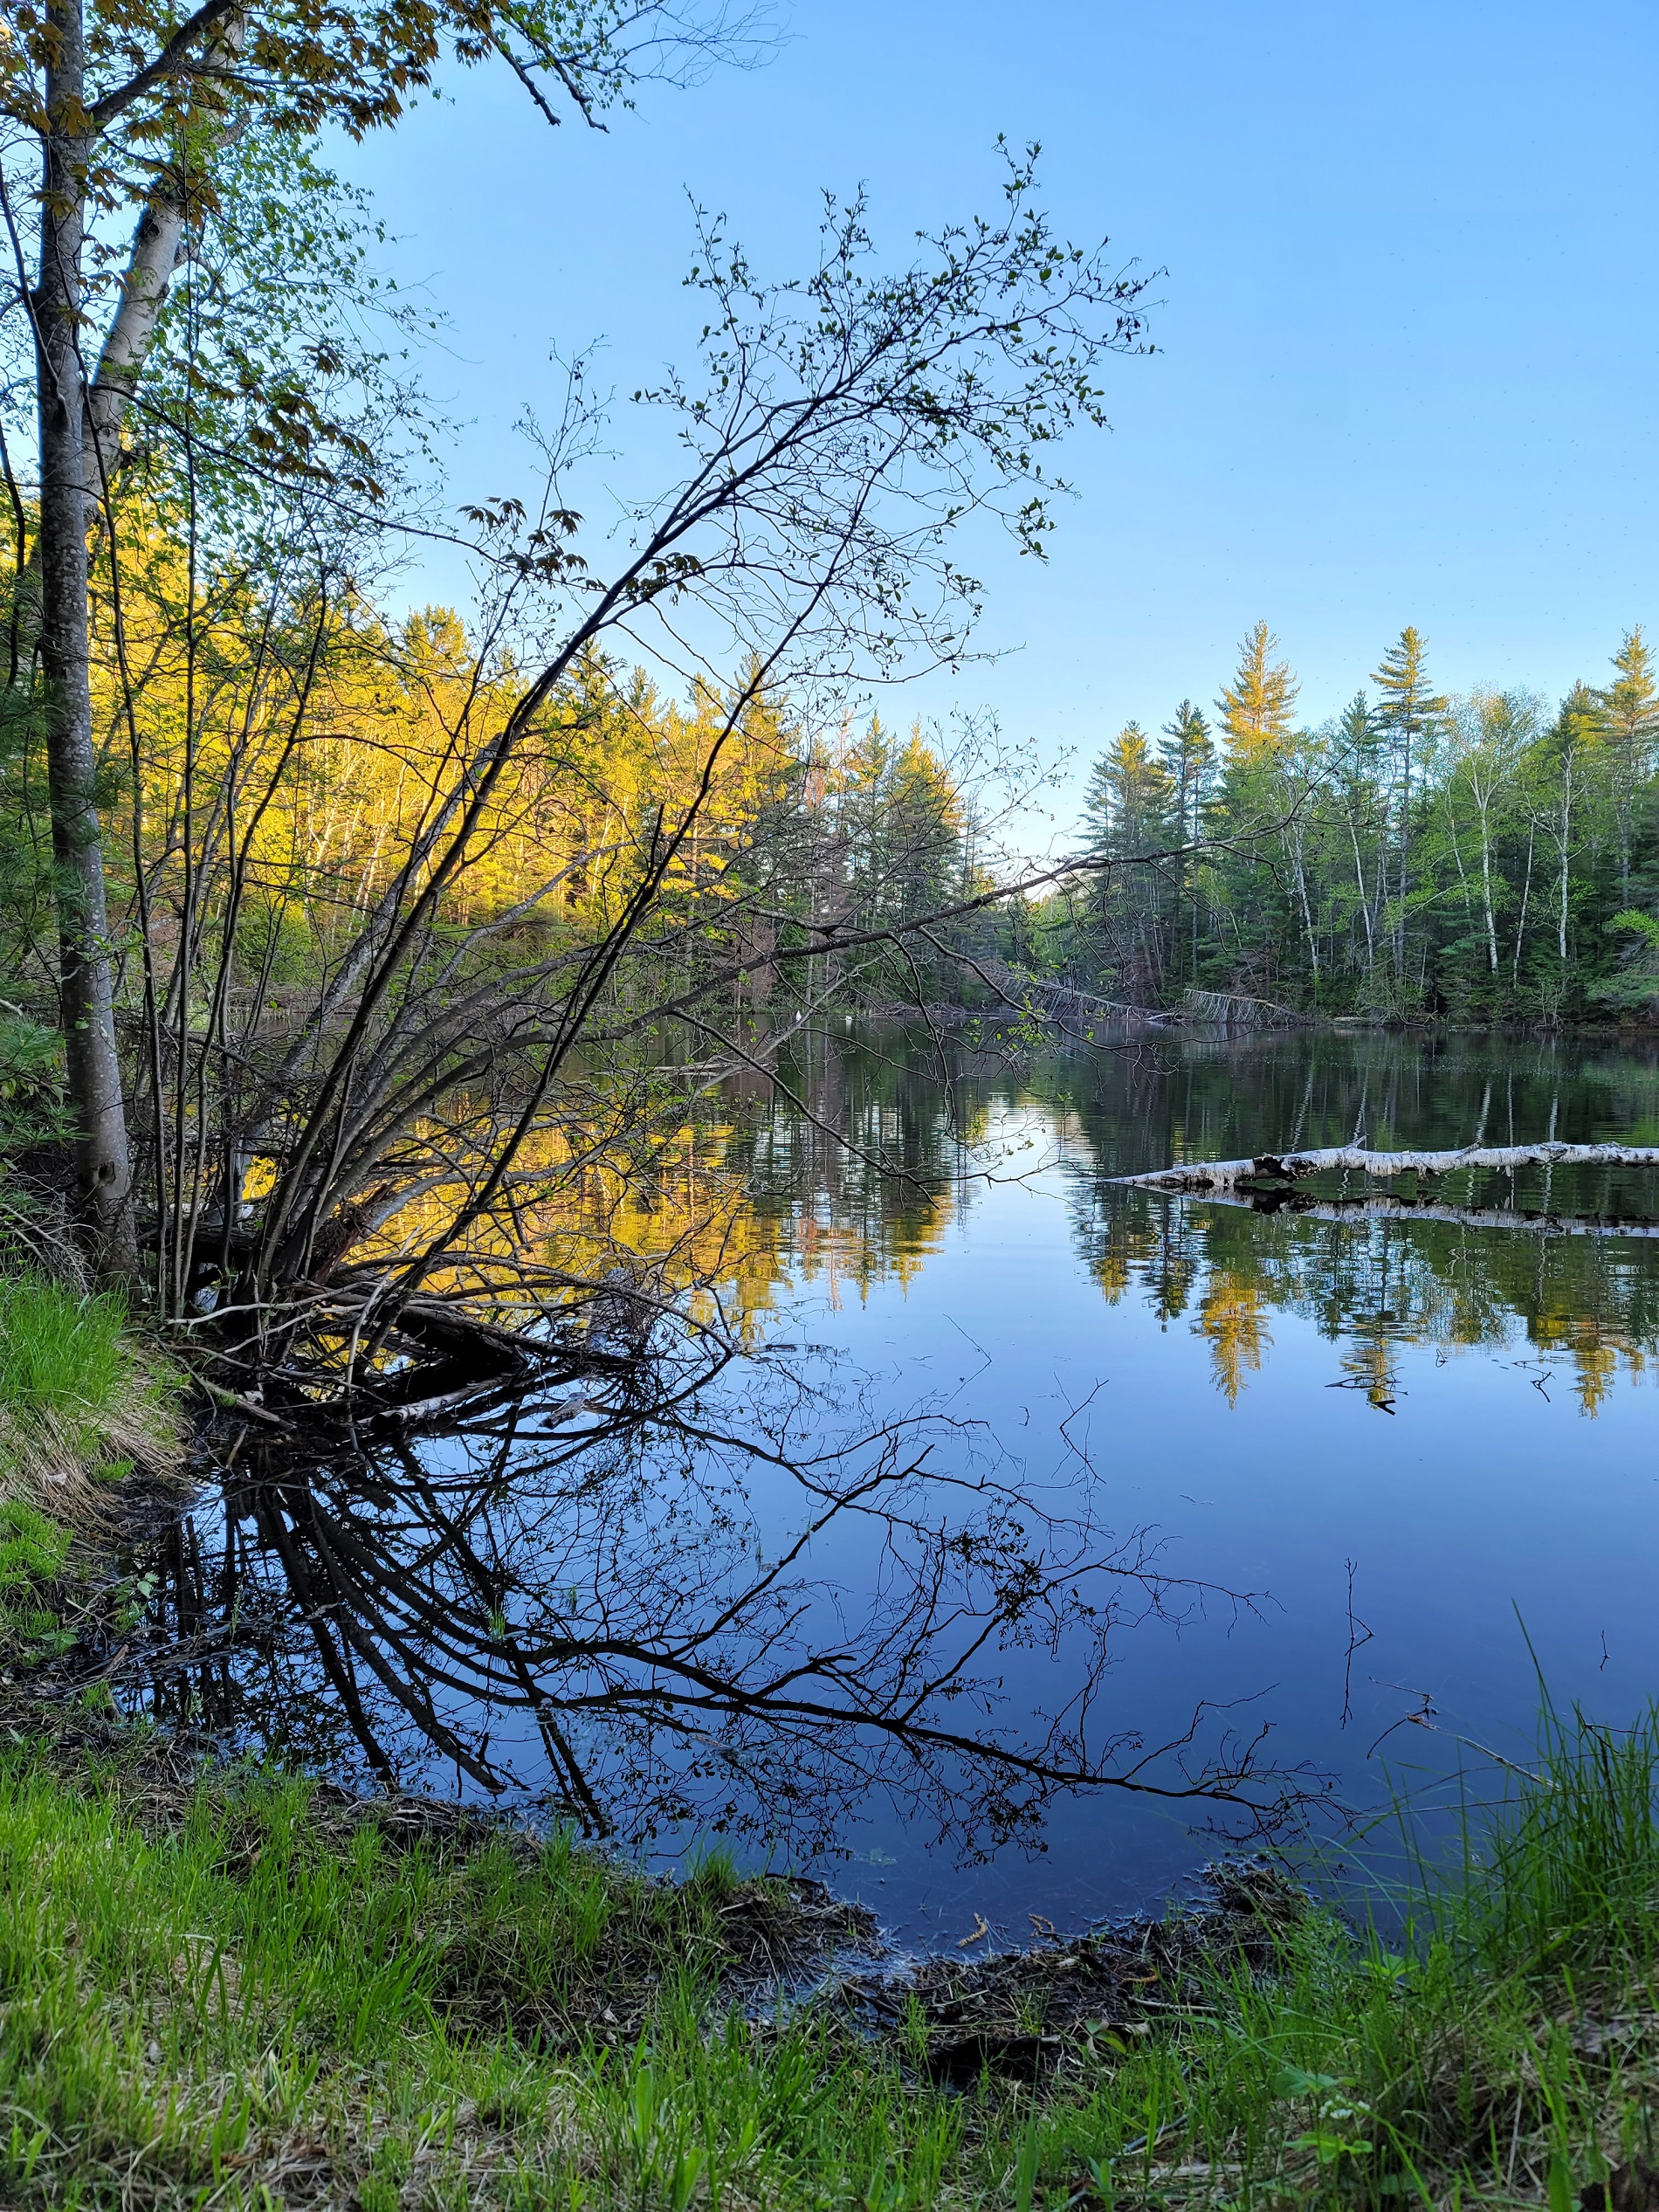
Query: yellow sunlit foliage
{"points": [[1232, 1314]]}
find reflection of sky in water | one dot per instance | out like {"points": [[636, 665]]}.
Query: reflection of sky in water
{"points": [[1462, 1419], [1477, 1500]]}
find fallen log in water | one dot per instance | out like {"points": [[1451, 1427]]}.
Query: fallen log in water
{"points": [[1220, 1176], [1230, 1011]]}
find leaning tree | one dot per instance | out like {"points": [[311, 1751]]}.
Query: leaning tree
{"points": [[126, 112]]}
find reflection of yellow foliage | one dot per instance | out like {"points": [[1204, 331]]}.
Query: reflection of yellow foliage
{"points": [[1131, 1244], [1111, 1268], [870, 1248], [1597, 1364], [678, 1219], [1374, 1285], [1230, 1315], [1371, 1362], [671, 1218]]}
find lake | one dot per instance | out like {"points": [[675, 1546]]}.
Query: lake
{"points": [[1002, 1486]]}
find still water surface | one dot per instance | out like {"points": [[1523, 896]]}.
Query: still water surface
{"points": [[1304, 1477]]}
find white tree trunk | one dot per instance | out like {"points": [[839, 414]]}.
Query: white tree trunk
{"points": [[1222, 1175], [102, 1159]]}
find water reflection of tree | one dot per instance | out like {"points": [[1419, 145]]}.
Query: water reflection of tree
{"points": [[848, 1168], [1371, 1285], [1190, 1099], [1375, 1284], [728, 1602], [914, 1105], [861, 1158]]}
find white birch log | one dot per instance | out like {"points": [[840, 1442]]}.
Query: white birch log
{"points": [[1219, 1176]]}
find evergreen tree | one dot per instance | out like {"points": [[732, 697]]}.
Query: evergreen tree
{"points": [[1127, 813], [1128, 806], [1359, 742], [1257, 708], [1629, 710], [924, 822], [1568, 762], [861, 785], [1410, 712], [1188, 756]]}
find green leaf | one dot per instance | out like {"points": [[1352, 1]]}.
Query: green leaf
{"points": [[1290, 2081]]}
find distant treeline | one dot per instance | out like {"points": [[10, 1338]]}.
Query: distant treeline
{"points": [[1483, 857]]}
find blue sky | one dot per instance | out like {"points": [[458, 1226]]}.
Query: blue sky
{"points": [[1408, 337]]}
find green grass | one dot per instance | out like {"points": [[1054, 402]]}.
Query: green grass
{"points": [[33, 1548], [82, 1402], [60, 1353], [74, 1382], [241, 2000]]}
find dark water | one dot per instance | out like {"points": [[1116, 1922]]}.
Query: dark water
{"points": [[1017, 1477]]}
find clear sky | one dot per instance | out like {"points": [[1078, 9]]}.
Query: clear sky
{"points": [[1408, 345]]}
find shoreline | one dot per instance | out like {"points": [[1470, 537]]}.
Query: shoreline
{"points": [[226, 1984], [232, 1985], [245, 1989]]}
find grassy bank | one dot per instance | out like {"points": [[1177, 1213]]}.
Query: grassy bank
{"points": [[244, 1996], [88, 1414]]}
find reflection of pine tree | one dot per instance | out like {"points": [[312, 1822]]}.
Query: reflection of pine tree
{"points": [[1232, 1315], [1173, 1269], [1370, 1361], [1596, 1365]]}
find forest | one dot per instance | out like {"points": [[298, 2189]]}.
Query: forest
{"points": [[1485, 856], [583, 1332], [324, 914], [337, 927]]}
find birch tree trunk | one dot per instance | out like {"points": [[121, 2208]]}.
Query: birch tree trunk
{"points": [[1526, 893], [102, 1160], [1220, 1176], [1364, 897], [1486, 888], [1567, 832], [1404, 845]]}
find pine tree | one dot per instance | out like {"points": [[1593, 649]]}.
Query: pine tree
{"points": [[1570, 754], [924, 822], [1127, 812], [1128, 808], [1188, 755], [1629, 711], [1189, 760], [1258, 707], [1358, 741], [1408, 712]]}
